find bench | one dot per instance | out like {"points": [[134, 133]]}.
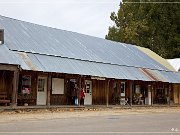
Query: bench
{"points": [[4, 98]]}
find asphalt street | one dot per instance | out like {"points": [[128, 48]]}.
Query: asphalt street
{"points": [[134, 123]]}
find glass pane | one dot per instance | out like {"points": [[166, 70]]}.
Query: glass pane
{"points": [[26, 84], [41, 83]]}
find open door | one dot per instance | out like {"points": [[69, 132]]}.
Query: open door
{"points": [[42, 91], [88, 93], [123, 93]]}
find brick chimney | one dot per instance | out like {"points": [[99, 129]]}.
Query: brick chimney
{"points": [[1, 36]]}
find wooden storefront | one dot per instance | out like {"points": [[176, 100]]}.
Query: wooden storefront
{"points": [[39, 88]]}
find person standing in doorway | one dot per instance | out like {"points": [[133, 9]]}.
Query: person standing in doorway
{"points": [[82, 96]]}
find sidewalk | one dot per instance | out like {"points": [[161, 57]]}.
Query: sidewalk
{"points": [[81, 108], [72, 112]]}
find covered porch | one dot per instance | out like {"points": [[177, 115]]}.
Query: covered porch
{"points": [[50, 89], [8, 84]]}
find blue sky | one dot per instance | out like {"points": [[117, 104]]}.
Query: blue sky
{"points": [[89, 17]]}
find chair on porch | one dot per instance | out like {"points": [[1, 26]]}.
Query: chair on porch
{"points": [[126, 102]]}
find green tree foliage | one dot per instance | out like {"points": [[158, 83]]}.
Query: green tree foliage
{"points": [[151, 25]]}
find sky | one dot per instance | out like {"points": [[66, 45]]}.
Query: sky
{"points": [[90, 17]]}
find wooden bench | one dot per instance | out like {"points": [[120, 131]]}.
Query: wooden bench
{"points": [[4, 98]]}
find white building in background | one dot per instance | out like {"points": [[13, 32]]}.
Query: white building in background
{"points": [[175, 63]]}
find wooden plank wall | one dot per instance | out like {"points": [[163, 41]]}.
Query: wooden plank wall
{"points": [[99, 87], [6, 85], [98, 92], [111, 91], [161, 85]]}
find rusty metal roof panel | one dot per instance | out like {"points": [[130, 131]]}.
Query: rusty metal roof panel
{"points": [[162, 76], [154, 75], [25, 61], [28, 37]]}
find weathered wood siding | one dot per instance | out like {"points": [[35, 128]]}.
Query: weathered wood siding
{"points": [[98, 92], [6, 84], [111, 91], [100, 88]]}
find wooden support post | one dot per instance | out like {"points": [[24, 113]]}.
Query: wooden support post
{"points": [[131, 90], [152, 94], [78, 93], [149, 102], [15, 88], [107, 92], [169, 95], [178, 86], [119, 91], [49, 89]]}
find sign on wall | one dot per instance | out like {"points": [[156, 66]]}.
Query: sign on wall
{"points": [[57, 86]]}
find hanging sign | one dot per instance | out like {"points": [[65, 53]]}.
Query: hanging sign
{"points": [[98, 78]]}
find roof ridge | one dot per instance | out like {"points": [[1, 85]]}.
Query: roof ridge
{"points": [[65, 30], [51, 27]]}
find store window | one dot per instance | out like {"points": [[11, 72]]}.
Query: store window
{"points": [[41, 84], [26, 84]]}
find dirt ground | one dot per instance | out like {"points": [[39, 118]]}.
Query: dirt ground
{"points": [[31, 114]]}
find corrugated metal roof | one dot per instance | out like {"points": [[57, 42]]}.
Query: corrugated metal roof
{"points": [[28, 61], [28, 37], [162, 76], [73, 53], [172, 77], [6, 56], [72, 66], [156, 57]]}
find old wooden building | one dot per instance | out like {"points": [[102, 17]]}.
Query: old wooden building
{"points": [[46, 66]]}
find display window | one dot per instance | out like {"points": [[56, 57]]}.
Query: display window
{"points": [[26, 84]]}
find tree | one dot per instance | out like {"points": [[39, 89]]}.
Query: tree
{"points": [[152, 25]]}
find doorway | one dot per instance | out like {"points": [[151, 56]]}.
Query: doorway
{"points": [[42, 91], [88, 92], [123, 93]]}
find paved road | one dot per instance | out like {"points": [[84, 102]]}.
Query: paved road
{"points": [[134, 123]]}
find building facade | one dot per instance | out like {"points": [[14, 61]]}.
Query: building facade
{"points": [[46, 66]]}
